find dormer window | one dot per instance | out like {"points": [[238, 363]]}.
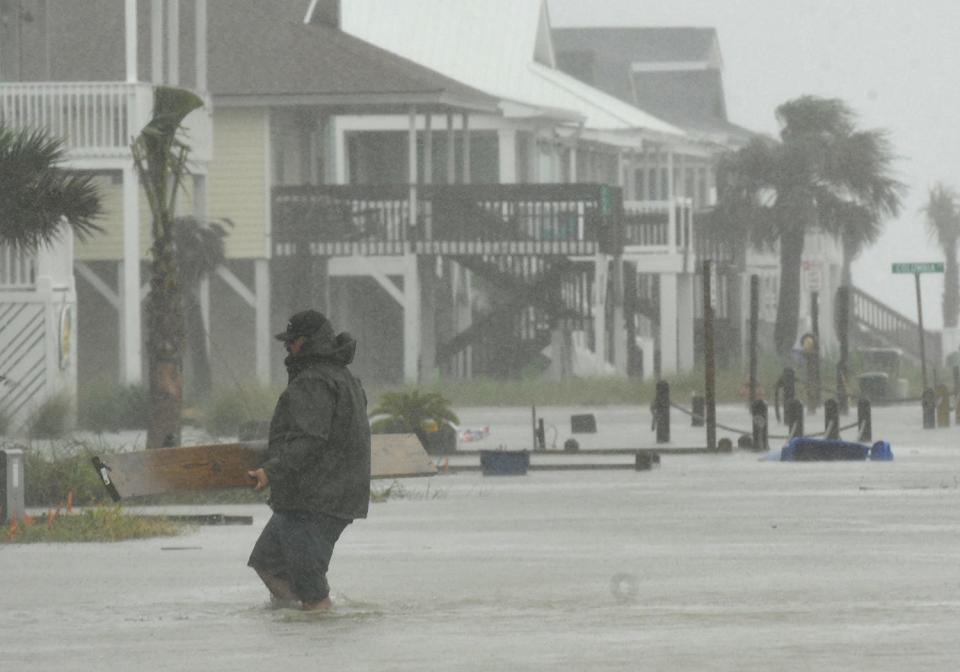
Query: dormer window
{"points": [[326, 12]]}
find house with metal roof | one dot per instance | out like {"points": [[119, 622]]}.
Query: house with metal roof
{"points": [[676, 73], [662, 170]]}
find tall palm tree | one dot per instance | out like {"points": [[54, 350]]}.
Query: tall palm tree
{"points": [[161, 160], [200, 251], [38, 199], [943, 223], [823, 173]]}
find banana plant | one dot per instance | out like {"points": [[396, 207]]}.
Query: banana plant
{"points": [[161, 160]]}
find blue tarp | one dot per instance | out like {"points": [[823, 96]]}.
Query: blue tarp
{"points": [[804, 449]]}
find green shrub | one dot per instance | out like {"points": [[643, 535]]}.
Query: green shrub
{"points": [[50, 420], [104, 406], [49, 476], [98, 524], [230, 407]]}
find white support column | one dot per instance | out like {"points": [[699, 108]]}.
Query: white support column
{"points": [[600, 279], [619, 319], [451, 151], [507, 146], [572, 175], [200, 43], [341, 167], [555, 162], [668, 324], [261, 281], [671, 187], [131, 367], [200, 213], [630, 188], [412, 170], [686, 285], [411, 321], [428, 149], [428, 318], [467, 178], [173, 42], [156, 41], [130, 36]]}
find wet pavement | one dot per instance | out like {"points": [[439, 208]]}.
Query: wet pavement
{"points": [[711, 562]]}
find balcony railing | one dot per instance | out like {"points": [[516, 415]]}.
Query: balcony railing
{"points": [[658, 227], [18, 270], [550, 219], [95, 119]]}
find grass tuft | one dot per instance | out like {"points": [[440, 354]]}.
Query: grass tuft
{"points": [[100, 524]]}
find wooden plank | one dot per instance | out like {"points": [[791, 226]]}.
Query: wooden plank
{"points": [[225, 465]]}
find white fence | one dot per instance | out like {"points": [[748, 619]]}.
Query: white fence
{"points": [[18, 270]]}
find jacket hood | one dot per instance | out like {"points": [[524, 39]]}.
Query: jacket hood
{"points": [[341, 350]]}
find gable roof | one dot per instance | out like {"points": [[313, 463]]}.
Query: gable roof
{"points": [[675, 73], [496, 46], [258, 53]]}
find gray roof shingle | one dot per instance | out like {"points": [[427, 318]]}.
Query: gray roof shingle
{"points": [[257, 50]]}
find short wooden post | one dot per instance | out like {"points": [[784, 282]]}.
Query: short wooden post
{"points": [[864, 420], [754, 327], [831, 419], [787, 386], [943, 406], [929, 403], [813, 357], [661, 412], [698, 407], [842, 324], [796, 416], [760, 423]]}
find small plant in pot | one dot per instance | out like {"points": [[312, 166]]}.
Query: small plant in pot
{"points": [[426, 414]]}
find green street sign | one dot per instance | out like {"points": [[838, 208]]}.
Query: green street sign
{"points": [[921, 267]]}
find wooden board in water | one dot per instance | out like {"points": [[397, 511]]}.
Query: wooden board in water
{"points": [[225, 465]]}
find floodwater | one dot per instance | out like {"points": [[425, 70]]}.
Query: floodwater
{"points": [[711, 562]]}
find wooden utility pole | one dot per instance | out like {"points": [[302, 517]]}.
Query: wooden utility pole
{"points": [[709, 360]]}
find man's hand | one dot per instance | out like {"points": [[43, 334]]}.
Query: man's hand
{"points": [[261, 477]]}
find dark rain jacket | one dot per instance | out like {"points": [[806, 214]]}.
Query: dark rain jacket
{"points": [[318, 456]]}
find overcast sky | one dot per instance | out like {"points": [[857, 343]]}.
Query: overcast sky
{"points": [[895, 61]]}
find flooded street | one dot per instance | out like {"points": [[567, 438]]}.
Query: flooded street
{"points": [[710, 562]]}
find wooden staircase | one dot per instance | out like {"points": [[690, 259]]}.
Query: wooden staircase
{"points": [[877, 324]]}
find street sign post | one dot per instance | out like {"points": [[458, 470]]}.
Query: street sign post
{"points": [[917, 268]]}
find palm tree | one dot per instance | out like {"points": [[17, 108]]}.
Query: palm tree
{"points": [[200, 250], [943, 223], [38, 199], [161, 160], [822, 173]]}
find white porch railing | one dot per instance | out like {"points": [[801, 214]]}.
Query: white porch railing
{"points": [[95, 119], [18, 270], [658, 227]]}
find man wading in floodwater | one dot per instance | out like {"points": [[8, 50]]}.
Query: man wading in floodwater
{"points": [[317, 463]]}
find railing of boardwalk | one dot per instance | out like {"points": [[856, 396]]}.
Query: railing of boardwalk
{"points": [[894, 328]]}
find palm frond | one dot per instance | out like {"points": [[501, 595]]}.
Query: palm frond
{"points": [[38, 199]]}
